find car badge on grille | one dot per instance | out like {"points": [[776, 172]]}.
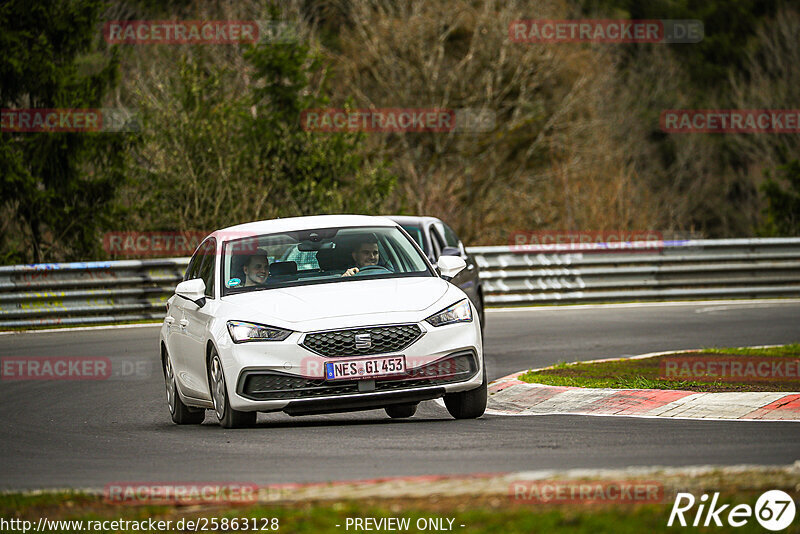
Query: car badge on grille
{"points": [[363, 341]]}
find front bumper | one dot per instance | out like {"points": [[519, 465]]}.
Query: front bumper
{"points": [[275, 385], [284, 376], [361, 402]]}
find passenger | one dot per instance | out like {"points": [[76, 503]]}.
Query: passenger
{"points": [[256, 270], [366, 253]]}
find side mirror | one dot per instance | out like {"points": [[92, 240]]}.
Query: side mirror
{"points": [[451, 251], [193, 290], [450, 266]]}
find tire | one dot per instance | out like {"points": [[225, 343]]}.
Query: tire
{"points": [[180, 413], [481, 314], [228, 417], [468, 404], [401, 411]]}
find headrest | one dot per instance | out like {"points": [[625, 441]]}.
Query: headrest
{"points": [[283, 268], [334, 259]]}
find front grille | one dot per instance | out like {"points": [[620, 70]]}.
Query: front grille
{"points": [[455, 365], [272, 385], [343, 342]]}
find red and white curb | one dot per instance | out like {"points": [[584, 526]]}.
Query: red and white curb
{"points": [[495, 484], [510, 396]]}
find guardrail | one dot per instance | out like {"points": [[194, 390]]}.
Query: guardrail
{"points": [[115, 291], [87, 292], [688, 269]]}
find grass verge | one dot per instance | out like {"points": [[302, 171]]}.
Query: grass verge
{"points": [[709, 370], [471, 515]]}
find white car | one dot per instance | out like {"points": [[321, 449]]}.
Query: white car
{"points": [[362, 320]]}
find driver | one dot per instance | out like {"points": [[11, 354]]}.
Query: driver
{"points": [[365, 253], [256, 270]]}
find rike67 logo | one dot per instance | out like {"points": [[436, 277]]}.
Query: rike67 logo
{"points": [[774, 510]]}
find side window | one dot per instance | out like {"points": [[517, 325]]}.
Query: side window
{"points": [[436, 242], [415, 233], [450, 237], [194, 266], [206, 272]]}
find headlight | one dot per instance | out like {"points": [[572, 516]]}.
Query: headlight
{"points": [[460, 312], [242, 332]]}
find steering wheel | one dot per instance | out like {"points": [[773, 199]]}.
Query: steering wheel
{"points": [[373, 269]]}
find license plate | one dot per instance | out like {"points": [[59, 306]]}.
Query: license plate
{"points": [[365, 368]]}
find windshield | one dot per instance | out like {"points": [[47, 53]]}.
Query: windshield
{"points": [[416, 233], [323, 255]]}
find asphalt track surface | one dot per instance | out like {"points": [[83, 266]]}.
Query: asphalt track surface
{"points": [[88, 434]]}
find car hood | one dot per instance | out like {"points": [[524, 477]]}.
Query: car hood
{"points": [[351, 298]]}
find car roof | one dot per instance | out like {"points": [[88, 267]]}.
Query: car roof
{"points": [[300, 223], [413, 220]]}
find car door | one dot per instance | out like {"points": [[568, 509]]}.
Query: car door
{"points": [[436, 242], [176, 320], [467, 279], [196, 323]]}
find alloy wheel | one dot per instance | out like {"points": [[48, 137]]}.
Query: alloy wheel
{"points": [[218, 389], [169, 381]]}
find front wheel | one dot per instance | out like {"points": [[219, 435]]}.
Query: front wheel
{"points": [[228, 417], [482, 314], [180, 413], [468, 404]]}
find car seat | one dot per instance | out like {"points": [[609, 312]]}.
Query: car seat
{"points": [[284, 270], [334, 259]]}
